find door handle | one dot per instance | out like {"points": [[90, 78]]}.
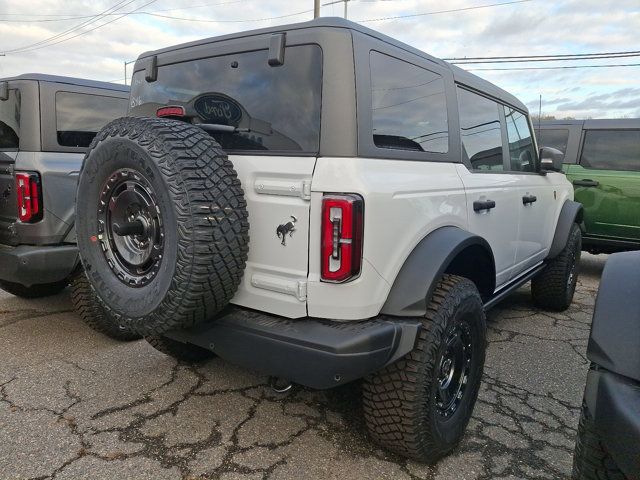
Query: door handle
{"points": [[586, 183], [529, 199], [480, 205]]}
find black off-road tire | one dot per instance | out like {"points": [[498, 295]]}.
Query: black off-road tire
{"points": [[204, 223], [93, 314], [185, 352], [591, 461], [34, 291], [400, 405], [553, 288]]}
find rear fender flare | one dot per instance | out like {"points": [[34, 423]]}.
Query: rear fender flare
{"points": [[434, 256]]}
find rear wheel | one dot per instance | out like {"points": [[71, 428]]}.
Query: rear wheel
{"points": [[185, 352], [420, 405], [92, 312], [554, 287], [34, 291], [161, 223]]}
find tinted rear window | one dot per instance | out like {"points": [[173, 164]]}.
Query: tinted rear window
{"points": [[409, 107], [480, 131], [10, 121], [280, 106], [611, 150], [80, 116], [554, 138]]}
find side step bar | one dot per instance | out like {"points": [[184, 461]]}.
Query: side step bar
{"points": [[514, 285]]}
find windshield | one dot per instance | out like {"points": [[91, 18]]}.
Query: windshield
{"points": [[276, 109], [10, 121]]}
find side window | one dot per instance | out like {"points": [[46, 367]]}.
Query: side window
{"points": [[409, 107], [554, 138], [611, 150], [480, 131], [80, 116], [522, 151], [10, 121]]}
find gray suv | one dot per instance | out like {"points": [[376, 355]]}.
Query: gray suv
{"points": [[46, 124]]}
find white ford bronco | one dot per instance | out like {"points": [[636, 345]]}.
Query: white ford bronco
{"points": [[322, 203]]}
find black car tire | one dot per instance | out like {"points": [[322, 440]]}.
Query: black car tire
{"points": [[185, 352], [591, 461], [193, 224], [401, 405], [93, 314], [34, 291], [553, 288]]}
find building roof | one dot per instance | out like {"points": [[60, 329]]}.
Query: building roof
{"points": [[81, 82]]}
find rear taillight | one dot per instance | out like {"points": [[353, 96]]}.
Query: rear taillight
{"points": [[342, 228], [29, 197]]}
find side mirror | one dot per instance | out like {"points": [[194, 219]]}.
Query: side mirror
{"points": [[551, 160], [4, 91]]}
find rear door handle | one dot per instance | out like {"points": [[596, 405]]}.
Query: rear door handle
{"points": [[529, 199], [586, 183], [480, 205]]}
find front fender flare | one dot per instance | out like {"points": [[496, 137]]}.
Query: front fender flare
{"points": [[570, 213], [424, 266]]}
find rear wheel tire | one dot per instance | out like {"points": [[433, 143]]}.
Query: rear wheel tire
{"points": [[93, 314], [553, 288], [420, 405], [185, 352], [34, 291], [162, 224], [591, 461]]}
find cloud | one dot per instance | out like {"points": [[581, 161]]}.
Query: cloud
{"points": [[534, 28]]}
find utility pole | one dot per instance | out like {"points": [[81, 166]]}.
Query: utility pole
{"points": [[125, 72], [316, 8], [345, 8]]}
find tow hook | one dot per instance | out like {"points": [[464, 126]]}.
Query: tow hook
{"points": [[279, 384]]}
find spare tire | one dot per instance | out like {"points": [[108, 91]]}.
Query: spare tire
{"points": [[162, 224]]}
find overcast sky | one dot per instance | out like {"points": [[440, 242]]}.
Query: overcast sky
{"points": [[535, 27]]}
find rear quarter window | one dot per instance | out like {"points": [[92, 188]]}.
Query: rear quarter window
{"points": [[276, 109], [80, 116], [10, 121], [611, 150]]}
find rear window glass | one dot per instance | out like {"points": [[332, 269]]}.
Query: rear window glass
{"points": [[554, 138], [480, 131], [10, 121], [80, 116], [611, 150], [276, 109], [409, 107]]}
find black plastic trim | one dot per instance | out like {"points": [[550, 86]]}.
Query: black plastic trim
{"points": [[614, 342], [316, 353], [571, 213], [512, 286], [29, 265], [613, 402], [429, 260]]}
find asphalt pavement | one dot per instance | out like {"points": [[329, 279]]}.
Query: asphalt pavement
{"points": [[76, 405]]}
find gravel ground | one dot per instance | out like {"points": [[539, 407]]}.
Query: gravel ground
{"points": [[77, 405]]}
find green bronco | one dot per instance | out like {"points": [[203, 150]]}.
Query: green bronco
{"points": [[602, 160]]}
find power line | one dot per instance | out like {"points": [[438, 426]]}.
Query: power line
{"points": [[42, 44], [540, 56], [557, 68], [477, 7]]}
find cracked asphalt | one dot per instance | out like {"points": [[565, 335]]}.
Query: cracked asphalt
{"points": [[77, 405]]}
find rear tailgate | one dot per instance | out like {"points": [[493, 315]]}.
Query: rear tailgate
{"points": [[8, 206]]}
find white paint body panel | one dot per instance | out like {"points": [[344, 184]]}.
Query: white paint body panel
{"points": [[403, 202]]}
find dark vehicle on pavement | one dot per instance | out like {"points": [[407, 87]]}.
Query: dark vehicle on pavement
{"points": [[608, 444]]}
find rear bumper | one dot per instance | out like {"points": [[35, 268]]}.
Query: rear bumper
{"points": [[32, 265], [316, 353], [614, 403]]}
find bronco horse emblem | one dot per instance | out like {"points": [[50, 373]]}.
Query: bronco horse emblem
{"points": [[286, 228]]}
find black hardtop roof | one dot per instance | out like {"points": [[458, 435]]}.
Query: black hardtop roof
{"points": [[460, 75], [81, 82], [595, 124]]}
